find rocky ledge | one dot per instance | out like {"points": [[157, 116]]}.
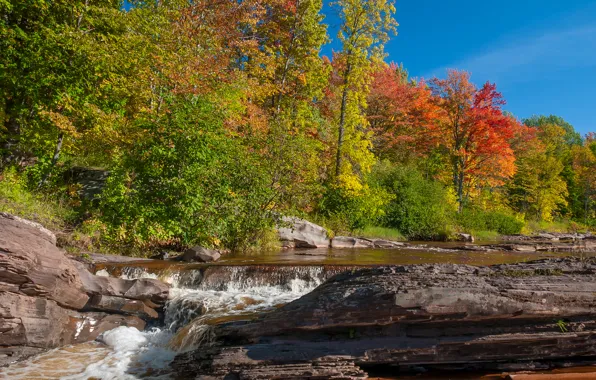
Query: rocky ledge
{"points": [[48, 300], [413, 318]]}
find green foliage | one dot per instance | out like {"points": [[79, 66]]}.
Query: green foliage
{"points": [[420, 208], [16, 198], [375, 232], [183, 184], [346, 211], [473, 219]]}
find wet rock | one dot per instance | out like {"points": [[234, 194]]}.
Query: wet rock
{"points": [[380, 243], [419, 316], [464, 237], [300, 233], [122, 306], [142, 289], [200, 254], [350, 242]]}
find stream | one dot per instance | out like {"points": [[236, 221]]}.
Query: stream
{"points": [[236, 288]]}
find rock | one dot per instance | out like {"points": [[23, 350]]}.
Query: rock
{"points": [[421, 316], [142, 289], [45, 296], [161, 255], [381, 243], [123, 306], [30, 325], [547, 236], [302, 234], [200, 254], [30, 260], [464, 237], [350, 242], [91, 181]]}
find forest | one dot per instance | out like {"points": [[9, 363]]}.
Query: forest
{"points": [[212, 119]]}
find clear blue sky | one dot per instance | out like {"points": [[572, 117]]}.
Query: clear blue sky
{"points": [[540, 53]]}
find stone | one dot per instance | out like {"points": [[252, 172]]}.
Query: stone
{"points": [[122, 305], [45, 296], [350, 242], [200, 254], [427, 317], [464, 237], [381, 243], [30, 259], [138, 289], [300, 233]]}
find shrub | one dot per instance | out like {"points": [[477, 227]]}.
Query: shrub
{"points": [[187, 182], [420, 208], [345, 210], [472, 219]]}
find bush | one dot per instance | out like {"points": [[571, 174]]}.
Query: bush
{"points": [[420, 208], [472, 219], [344, 211], [186, 182], [16, 198]]}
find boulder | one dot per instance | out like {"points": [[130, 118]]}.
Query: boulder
{"points": [[300, 233], [200, 254], [464, 237], [350, 242], [45, 296], [423, 317], [30, 260], [143, 289]]}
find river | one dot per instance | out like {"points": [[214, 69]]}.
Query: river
{"points": [[237, 287]]}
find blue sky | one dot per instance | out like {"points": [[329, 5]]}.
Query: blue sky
{"points": [[541, 54]]}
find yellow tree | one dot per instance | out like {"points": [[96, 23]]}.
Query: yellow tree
{"points": [[365, 27], [584, 165]]}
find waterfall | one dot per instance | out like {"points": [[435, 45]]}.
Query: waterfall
{"points": [[200, 297]]}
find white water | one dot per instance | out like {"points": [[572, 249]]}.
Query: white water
{"points": [[195, 299]]}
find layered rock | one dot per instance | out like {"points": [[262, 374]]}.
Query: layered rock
{"points": [[351, 242], [48, 300], [412, 317]]}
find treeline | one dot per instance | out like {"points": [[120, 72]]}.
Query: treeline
{"points": [[216, 117]]}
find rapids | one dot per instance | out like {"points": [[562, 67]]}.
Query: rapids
{"points": [[236, 288]]}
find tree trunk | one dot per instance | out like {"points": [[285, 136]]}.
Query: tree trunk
{"points": [[342, 120], [54, 159], [11, 140]]}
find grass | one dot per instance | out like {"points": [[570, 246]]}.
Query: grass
{"points": [[485, 235], [380, 233], [561, 226], [16, 199]]}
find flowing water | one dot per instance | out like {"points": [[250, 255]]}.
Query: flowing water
{"points": [[237, 287]]}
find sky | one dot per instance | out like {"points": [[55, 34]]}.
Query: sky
{"points": [[540, 53]]}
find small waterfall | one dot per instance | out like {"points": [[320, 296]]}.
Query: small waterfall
{"points": [[201, 296]]}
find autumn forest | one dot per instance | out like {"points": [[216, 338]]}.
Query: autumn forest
{"points": [[211, 119]]}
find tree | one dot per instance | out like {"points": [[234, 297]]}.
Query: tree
{"points": [[398, 109], [537, 189], [474, 132], [51, 77], [584, 165], [365, 27]]}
